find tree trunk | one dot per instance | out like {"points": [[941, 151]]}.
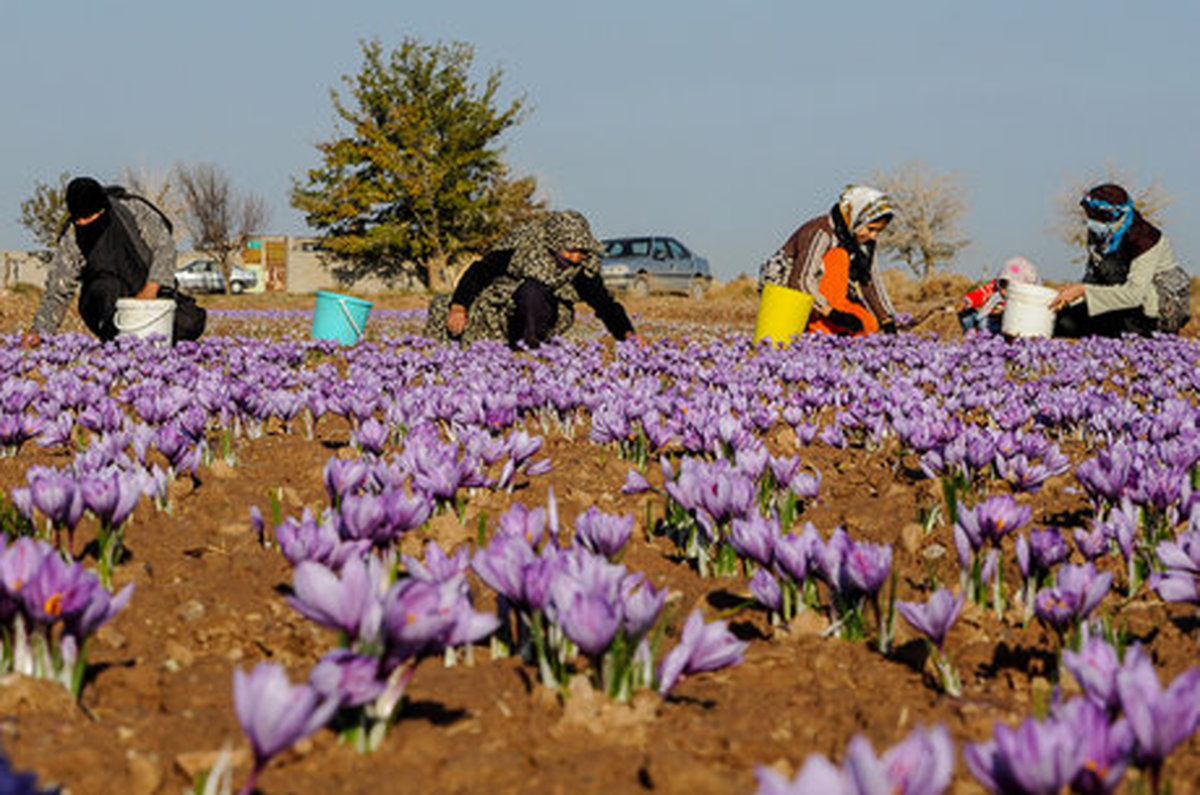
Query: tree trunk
{"points": [[439, 280]]}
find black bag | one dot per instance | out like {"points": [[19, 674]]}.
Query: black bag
{"points": [[190, 317]]}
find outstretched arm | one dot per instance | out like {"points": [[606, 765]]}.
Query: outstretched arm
{"points": [[592, 290]]}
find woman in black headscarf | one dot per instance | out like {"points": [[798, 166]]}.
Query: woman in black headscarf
{"points": [[1133, 283], [115, 245]]}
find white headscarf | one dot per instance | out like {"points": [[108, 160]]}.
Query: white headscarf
{"points": [[860, 205]]}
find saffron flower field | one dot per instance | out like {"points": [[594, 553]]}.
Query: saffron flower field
{"points": [[911, 564]]}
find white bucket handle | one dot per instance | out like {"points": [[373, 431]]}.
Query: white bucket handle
{"points": [[350, 318], [145, 323]]}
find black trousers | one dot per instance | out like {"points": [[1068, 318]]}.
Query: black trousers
{"points": [[98, 304], [1074, 322], [98, 308], [534, 313]]}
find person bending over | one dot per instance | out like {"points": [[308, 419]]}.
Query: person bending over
{"points": [[832, 258], [1133, 283], [115, 245], [523, 292]]}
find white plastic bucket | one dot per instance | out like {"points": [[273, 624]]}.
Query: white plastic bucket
{"points": [[144, 317], [1027, 311]]}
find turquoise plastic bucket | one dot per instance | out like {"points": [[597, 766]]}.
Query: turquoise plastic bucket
{"points": [[339, 317]]}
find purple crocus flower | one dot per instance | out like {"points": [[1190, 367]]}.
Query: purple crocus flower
{"points": [[702, 647], [602, 533], [1078, 591], [1182, 554], [635, 483], [502, 566], [343, 476], [274, 713], [422, 618], [922, 763], [865, 567], [935, 617], [1105, 747], [1175, 586], [1159, 718], [766, 590], [524, 523], [831, 554], [641, 603], [1107, 476], [319, 542], [101, 606], [784, 468], [1037, 757], [372, 436], [109, 497], [1093, 543], [992, 519], [19, 561], [1095, 668], [405, 511], [754, 537], [348, 678], [590, 621], [57, 496], [57, 589], [1048, 548], [438, 566], [349, 602], [796, 555], [806, 485], [364, 518]]}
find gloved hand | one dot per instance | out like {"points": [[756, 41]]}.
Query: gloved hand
{"points": [[888, 326], [846, 320]]}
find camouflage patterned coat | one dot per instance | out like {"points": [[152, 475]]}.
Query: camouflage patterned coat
{"points": [[532, 246]]}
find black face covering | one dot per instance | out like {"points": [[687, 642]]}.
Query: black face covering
{"points": [[88, 236], [109, 251]]}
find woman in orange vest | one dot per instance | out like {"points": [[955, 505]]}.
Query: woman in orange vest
{"points": [[832, 258]]}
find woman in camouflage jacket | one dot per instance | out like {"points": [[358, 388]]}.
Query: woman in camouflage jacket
{"points": [[524, 290]]}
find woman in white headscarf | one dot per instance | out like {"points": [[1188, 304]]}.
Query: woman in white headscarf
{"points": [[832, 258]]}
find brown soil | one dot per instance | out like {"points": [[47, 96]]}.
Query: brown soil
{"points": [[157, 704]]}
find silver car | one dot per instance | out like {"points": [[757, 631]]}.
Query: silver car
{"points": [[642, 265], [204, 276]]}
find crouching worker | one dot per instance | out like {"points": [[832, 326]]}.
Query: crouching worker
{"points": [[1133, 283], [523, 292], [832, 258], [115, 245], [982, 309]]}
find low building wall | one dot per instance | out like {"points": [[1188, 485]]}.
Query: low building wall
{"points": [[292, 265]]}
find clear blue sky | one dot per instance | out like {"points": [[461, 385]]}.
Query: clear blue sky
{"points": [[725, 124]]}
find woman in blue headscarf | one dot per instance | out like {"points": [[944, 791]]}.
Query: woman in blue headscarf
{"points": [[1133, 283]]}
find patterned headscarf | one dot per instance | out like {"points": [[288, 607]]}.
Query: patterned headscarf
{"points": [[860, 205], [534, 243]]}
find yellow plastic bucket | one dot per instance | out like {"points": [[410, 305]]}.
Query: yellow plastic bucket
{"points": [[782, 314]]}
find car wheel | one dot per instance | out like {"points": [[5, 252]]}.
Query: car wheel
{"points": [[640, 287], [237, 288], [697, 289]]}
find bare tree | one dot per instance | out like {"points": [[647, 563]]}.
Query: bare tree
{"points": [[218, 218], [924, 234], [1151, 201], [158, 188], [44, 214]]}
